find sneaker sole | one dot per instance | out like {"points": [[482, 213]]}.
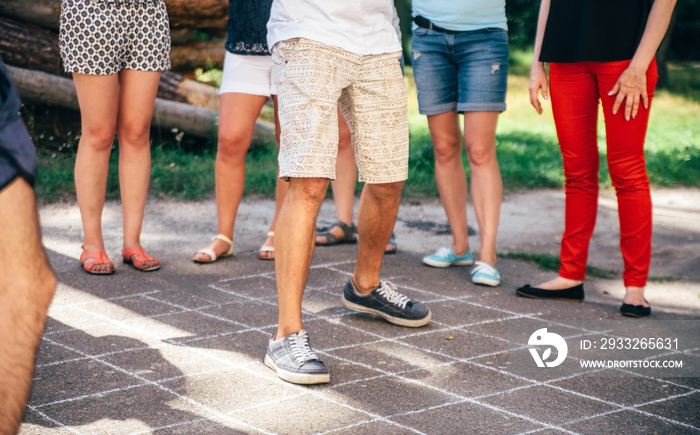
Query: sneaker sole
{"points": [[415, 323], [441, 264], [486, 281], [297, 378]]}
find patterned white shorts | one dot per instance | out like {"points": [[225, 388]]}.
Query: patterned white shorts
{"points": [[312, 79], [102, 37]]}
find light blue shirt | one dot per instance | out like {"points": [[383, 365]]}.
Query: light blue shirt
{"points": [[463, 15]]}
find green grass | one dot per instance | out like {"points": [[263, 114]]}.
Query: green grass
{"points": [[527, 148], [551, 263]]}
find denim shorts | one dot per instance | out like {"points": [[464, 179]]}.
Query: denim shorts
{"points": [[466, 71]]}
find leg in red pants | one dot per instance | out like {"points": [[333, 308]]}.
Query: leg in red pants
{"points": [[576, 89]]}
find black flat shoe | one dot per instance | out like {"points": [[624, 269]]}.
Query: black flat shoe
{"points": [[571, 294], [635, 310]]}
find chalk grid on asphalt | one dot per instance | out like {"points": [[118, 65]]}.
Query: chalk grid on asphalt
{"points": [[116, 365]]}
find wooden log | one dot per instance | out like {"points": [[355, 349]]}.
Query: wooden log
{"points": [[29, 46], [40, 87], [32, 47], [200, 14], [198, 55], [45, 13]]}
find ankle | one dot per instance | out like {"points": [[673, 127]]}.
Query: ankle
{"points": [[363, 290]]}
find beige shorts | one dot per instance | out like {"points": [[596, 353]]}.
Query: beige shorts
{"points": [[312, 79]]}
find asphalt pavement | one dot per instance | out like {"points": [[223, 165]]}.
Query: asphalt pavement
{"points": [[179, 350]]}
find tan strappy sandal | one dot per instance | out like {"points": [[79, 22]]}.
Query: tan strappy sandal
{"points": [[210, 252], [264, 249]]}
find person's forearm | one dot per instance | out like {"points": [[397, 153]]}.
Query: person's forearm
{"points": [[539, 35], [657, 25]]}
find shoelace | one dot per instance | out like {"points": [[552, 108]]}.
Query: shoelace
{"points": [[488, 268], [388, 290], [301, 347], [444, 252]]}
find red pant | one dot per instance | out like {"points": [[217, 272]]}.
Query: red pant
{"points": [[576, 89]]}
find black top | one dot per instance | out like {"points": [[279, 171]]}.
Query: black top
{"points": [[593, 30], [247, 26]]}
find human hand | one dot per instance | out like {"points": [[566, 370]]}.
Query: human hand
{"points": [[538, 81], [631, 87]]}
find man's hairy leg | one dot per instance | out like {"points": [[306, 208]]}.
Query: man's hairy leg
{"points": [[27, 285]]}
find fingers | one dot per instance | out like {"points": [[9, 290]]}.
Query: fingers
{"points": [[619, 99], [645, 100], [631, 106], [534, 101]]}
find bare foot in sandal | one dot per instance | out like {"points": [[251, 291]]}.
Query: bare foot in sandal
{"points": [[339, 232], [220, 246], [96, 262], [267, 250]]}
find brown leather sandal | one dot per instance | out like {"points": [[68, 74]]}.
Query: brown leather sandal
{"points": [[349, 234]]}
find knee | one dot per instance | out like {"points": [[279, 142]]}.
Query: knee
{"points": [[134, 133], [447, 150], [231, 147], [629, 181], [309, 189], [98, 137], [481, 154], [385, 191]]}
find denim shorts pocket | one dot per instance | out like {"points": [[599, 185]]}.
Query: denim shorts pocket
{"points": [[420, 31]]}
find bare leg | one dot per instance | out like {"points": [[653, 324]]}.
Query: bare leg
{"points": [[98, 97], [280, 192], [450, 176], [294, 245], [487, 186], [26, 289], [137, 98], [237, 115], [379, 205]]}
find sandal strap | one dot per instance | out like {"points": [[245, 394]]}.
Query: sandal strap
{"points": [[99, 258], [223, 238], [348, 230], [140, 252], [210, 252]]}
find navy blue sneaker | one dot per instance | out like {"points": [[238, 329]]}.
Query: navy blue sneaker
{"points": [[387, 302]]}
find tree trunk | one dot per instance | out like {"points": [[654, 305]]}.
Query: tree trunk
{"points": [[44, 13], [201, 14], [32, 47], [45, 88], [29, 46], [197, 55]]}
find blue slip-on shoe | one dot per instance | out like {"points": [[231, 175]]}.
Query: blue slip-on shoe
{"points": [[485, 274], [446, 257], [387, 302]]}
